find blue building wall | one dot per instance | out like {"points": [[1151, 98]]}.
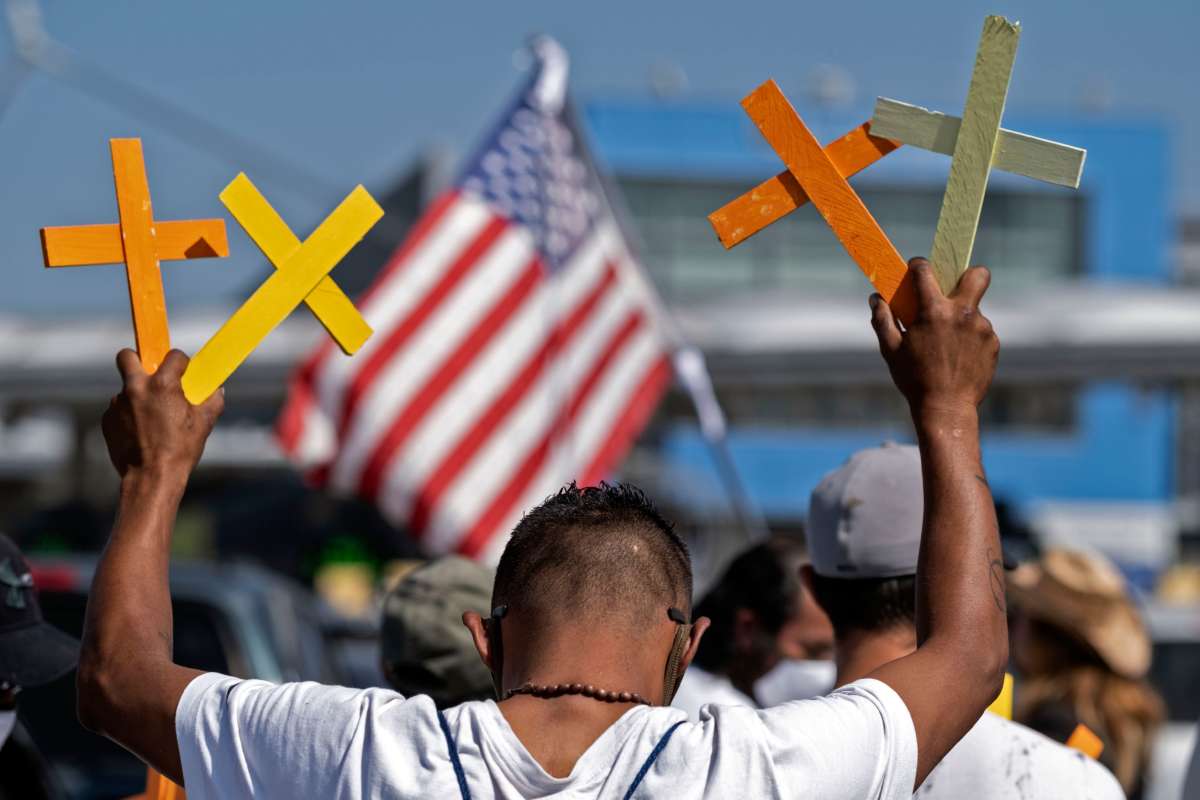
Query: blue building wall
{"points": [[1122, 446]]}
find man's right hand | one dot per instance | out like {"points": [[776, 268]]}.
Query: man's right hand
{"points": [[943, 363], [150, 426], [946, 358]]}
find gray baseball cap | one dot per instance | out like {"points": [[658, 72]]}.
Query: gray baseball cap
{"points": [[423, 641], [864, 518]]}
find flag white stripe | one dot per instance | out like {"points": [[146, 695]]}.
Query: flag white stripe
{"points": [[489, 374], [475, 486], [404, 290], [423, 354], [597, 419]]}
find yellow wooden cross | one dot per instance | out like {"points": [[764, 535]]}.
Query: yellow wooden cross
{"points": [[141, 242], [301, 275]]}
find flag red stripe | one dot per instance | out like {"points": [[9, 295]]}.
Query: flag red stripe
{"points": [[379, 357], [489, 422], [419, 232], [502, 505], [636, 414], [290, 427], [448, 372]]}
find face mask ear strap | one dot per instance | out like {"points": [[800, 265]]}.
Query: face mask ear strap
{"points": [[496, 648], [674, 671]]}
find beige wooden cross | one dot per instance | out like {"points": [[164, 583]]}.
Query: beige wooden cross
{"points": [[977, 144]]}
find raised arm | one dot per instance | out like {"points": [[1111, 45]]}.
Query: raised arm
{"points": [[127, 683], [943, 363]]}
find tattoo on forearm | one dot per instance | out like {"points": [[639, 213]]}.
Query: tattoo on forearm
{"points": [[996, 580], [982, 480], [168, 641]]}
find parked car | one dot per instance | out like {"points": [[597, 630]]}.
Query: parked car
{"points": [[236, 618]]}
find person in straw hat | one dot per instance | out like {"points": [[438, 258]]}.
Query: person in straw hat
{"points": [[1083, 654]]}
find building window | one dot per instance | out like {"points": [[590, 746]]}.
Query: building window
{"points": [[1043, 408], [1029, 237]]}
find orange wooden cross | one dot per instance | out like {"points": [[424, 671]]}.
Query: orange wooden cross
{"points": [[159, 787], [140, 242], [819, 175], [776, 197]]}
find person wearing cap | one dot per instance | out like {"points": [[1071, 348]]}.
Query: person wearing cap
{"points": [[589, 632], [32, 651], [864, 539], [1083, 652], [424, 647], [766, 637]]}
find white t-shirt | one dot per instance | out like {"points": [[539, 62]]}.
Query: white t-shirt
{"points": [[249, 738], [1002, 760], [700, 687]]}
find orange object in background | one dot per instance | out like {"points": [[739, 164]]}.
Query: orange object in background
{"points": [[1086, 742], [159, 787]]}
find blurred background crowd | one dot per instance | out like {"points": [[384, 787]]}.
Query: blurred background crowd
{"points": [[1091, 431]]}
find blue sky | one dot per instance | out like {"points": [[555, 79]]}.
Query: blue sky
{"points": [[354, 90]]}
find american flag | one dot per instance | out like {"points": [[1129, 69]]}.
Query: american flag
{"points": [[517, 344]]}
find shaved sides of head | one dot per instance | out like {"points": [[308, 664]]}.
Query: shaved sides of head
{"points": [[601, 553]]}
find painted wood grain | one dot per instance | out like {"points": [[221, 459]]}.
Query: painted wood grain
{"points": [[332, 308], [1018, 153], [974, 147], [833, 197], [777, 197], [146, 300], [279, 295], [174, 240]]}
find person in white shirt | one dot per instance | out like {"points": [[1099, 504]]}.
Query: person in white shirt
{"points": [[864, 537], [589, 633], [762, 624]]}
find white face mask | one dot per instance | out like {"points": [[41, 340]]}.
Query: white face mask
{"points": [[794, 679], [8, 721]]}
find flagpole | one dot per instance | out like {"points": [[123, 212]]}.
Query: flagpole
{"points": [[687, 359]]}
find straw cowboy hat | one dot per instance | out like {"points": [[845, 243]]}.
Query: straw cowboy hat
{"points": [[1085, 595]]}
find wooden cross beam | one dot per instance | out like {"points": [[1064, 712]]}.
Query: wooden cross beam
{"points": [[139, 241], [823, 182], [775, 198], [1018, 153], [300, 275], [974, 149], [328, 302], [977, 143]]}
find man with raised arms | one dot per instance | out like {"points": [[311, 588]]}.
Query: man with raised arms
{"points": [[589, 632]]}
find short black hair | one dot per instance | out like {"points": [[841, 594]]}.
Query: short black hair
{"points": [[765, 580], [591, 551], [867, 605]]}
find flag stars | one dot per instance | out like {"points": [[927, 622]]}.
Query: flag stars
{"points": [[533, 173]]}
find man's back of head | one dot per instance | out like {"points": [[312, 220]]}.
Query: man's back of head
{"points": [[596, 551], [596, 555]]}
